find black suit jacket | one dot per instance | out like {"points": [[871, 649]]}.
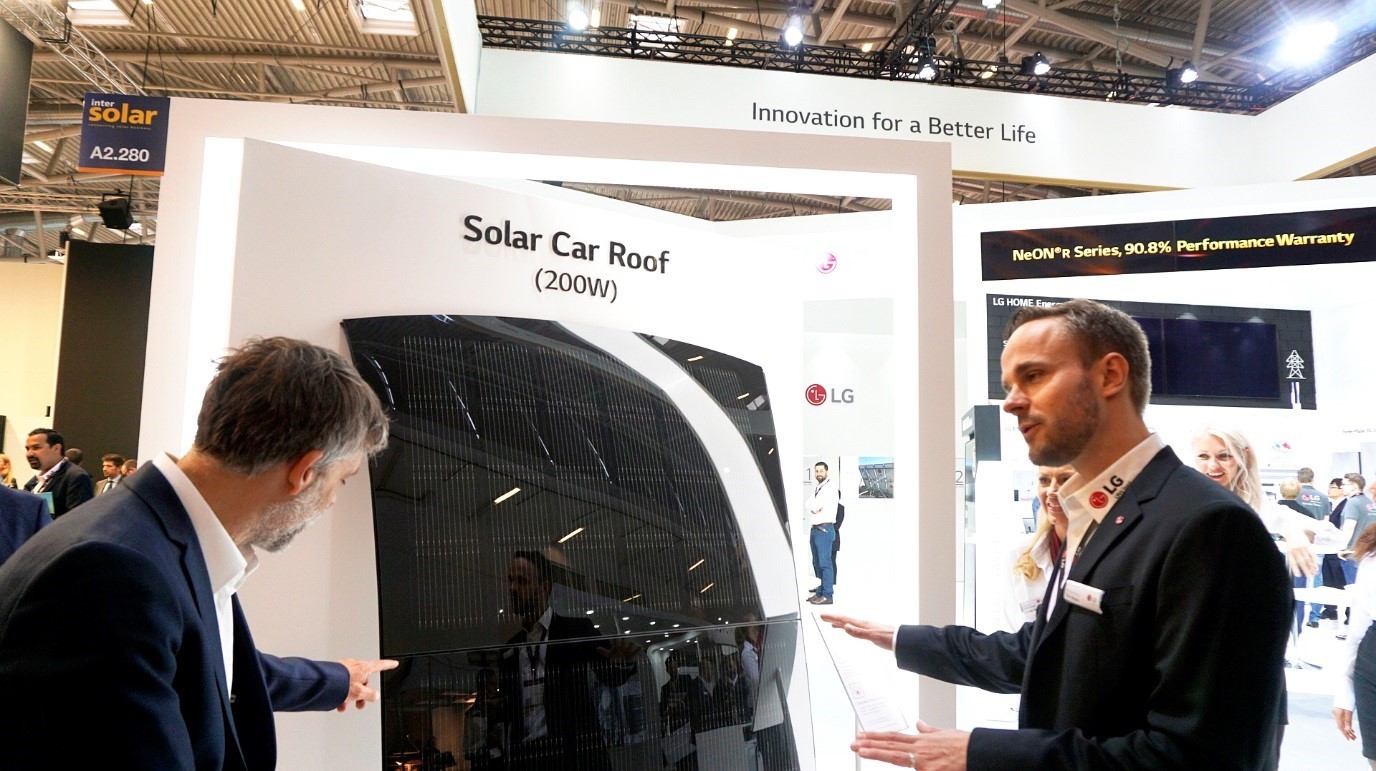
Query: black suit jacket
{"points": [[1184, 668], [71, 486], [570, 713], [108, 638], [21, 515]]}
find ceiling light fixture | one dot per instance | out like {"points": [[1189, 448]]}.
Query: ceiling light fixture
{"points": [[506, 495], [577, 17], [990, 4], [1036, 64], [1305, 43], [926, 68], [595, 20], [570, 535], [793, 33], [867, 47], [697, 564], [1182, 75], [699, 356]]}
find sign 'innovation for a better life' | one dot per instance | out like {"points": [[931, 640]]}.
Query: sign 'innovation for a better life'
{"points": [[124, 133]]}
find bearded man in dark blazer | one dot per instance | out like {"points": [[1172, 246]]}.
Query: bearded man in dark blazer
{"points": [[68, 482], [1160, 642], [121, 629]]}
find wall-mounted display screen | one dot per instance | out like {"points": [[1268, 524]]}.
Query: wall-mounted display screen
{"points": [[1194, 357], [564, 563], [1200, 354]]}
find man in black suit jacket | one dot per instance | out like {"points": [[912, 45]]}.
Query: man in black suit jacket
{"points": [[69, 483], [120, 626], [545, 670], [21, 515], [1160, 642]]}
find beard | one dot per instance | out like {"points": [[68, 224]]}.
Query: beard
{"points": [[282, 522], [1065, 439]]}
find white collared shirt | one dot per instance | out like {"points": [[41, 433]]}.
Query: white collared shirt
{"points": [[821, 507], [1087, 503], [532, 660], [227, 564], [47, 476]]}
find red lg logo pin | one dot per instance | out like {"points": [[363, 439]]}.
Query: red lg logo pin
{"points": [[1099, 499]]}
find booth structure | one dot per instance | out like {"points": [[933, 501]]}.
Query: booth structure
{"points": [[639, 397], [644, 480]]}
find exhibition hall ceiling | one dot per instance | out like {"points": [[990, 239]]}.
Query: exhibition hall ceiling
{"points": [[315, 52]]}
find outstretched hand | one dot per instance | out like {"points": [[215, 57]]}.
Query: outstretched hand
{"points": [[360, 693], [931, 749], [879, 634]]}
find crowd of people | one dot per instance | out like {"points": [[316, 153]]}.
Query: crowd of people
{"points": [[58, 485]]}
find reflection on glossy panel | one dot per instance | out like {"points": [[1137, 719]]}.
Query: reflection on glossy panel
{"points": [[700, 700], [554, 537]]}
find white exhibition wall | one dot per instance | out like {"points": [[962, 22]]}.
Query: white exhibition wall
{"points": [[1337, 295], [1079, 141], [250, 256], [32, 298]]}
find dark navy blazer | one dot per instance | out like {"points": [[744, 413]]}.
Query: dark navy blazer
{"points": [[109, 644], [21, 515], [1182, 670]]}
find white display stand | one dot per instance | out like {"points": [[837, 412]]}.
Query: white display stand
{"points": [[282, 220]]}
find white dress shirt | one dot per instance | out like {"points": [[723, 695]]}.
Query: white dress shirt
{"points": [[821, 507], [532, 661], [227, 564], [1086, 503]]}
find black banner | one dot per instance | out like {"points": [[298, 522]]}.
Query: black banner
{"points": [[1252, 241]]}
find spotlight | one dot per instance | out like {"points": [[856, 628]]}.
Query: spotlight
{"points": [[990, 4], [926, 68], [577, 17], [988, 72], [1306, 42], [114, 212], [1036, 64], [1182, 75], [793, 33]]}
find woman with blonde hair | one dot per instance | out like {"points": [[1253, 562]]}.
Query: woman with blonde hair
{"points": [[1357, 686], [1034, 561], [1225, 456], [7, 473]]}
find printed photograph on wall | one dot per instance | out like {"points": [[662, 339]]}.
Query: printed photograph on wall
{"points": [[876, 477], [566, 573]]}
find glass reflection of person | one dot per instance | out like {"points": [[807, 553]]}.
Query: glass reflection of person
{"points": [[551, 713]]}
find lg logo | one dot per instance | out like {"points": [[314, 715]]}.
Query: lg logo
{"points": [[827, 264], [817, 395]]}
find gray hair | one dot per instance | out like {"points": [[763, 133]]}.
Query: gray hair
{"points": [[276, 399]]}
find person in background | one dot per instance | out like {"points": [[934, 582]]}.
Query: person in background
{"points": [[75, 455], [68, 482], [7, 473], [1034, 562], [1289, 498], [821, 512], [1310, 498], [110, 464], [1332, 568], [1227, 457], [1360, 509], [129, 467], [1357, 682]]}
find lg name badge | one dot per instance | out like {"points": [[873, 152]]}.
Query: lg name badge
{"points": [[1085, 596]]}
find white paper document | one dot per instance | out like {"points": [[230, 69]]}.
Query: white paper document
{"points": [[874, 708]]}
